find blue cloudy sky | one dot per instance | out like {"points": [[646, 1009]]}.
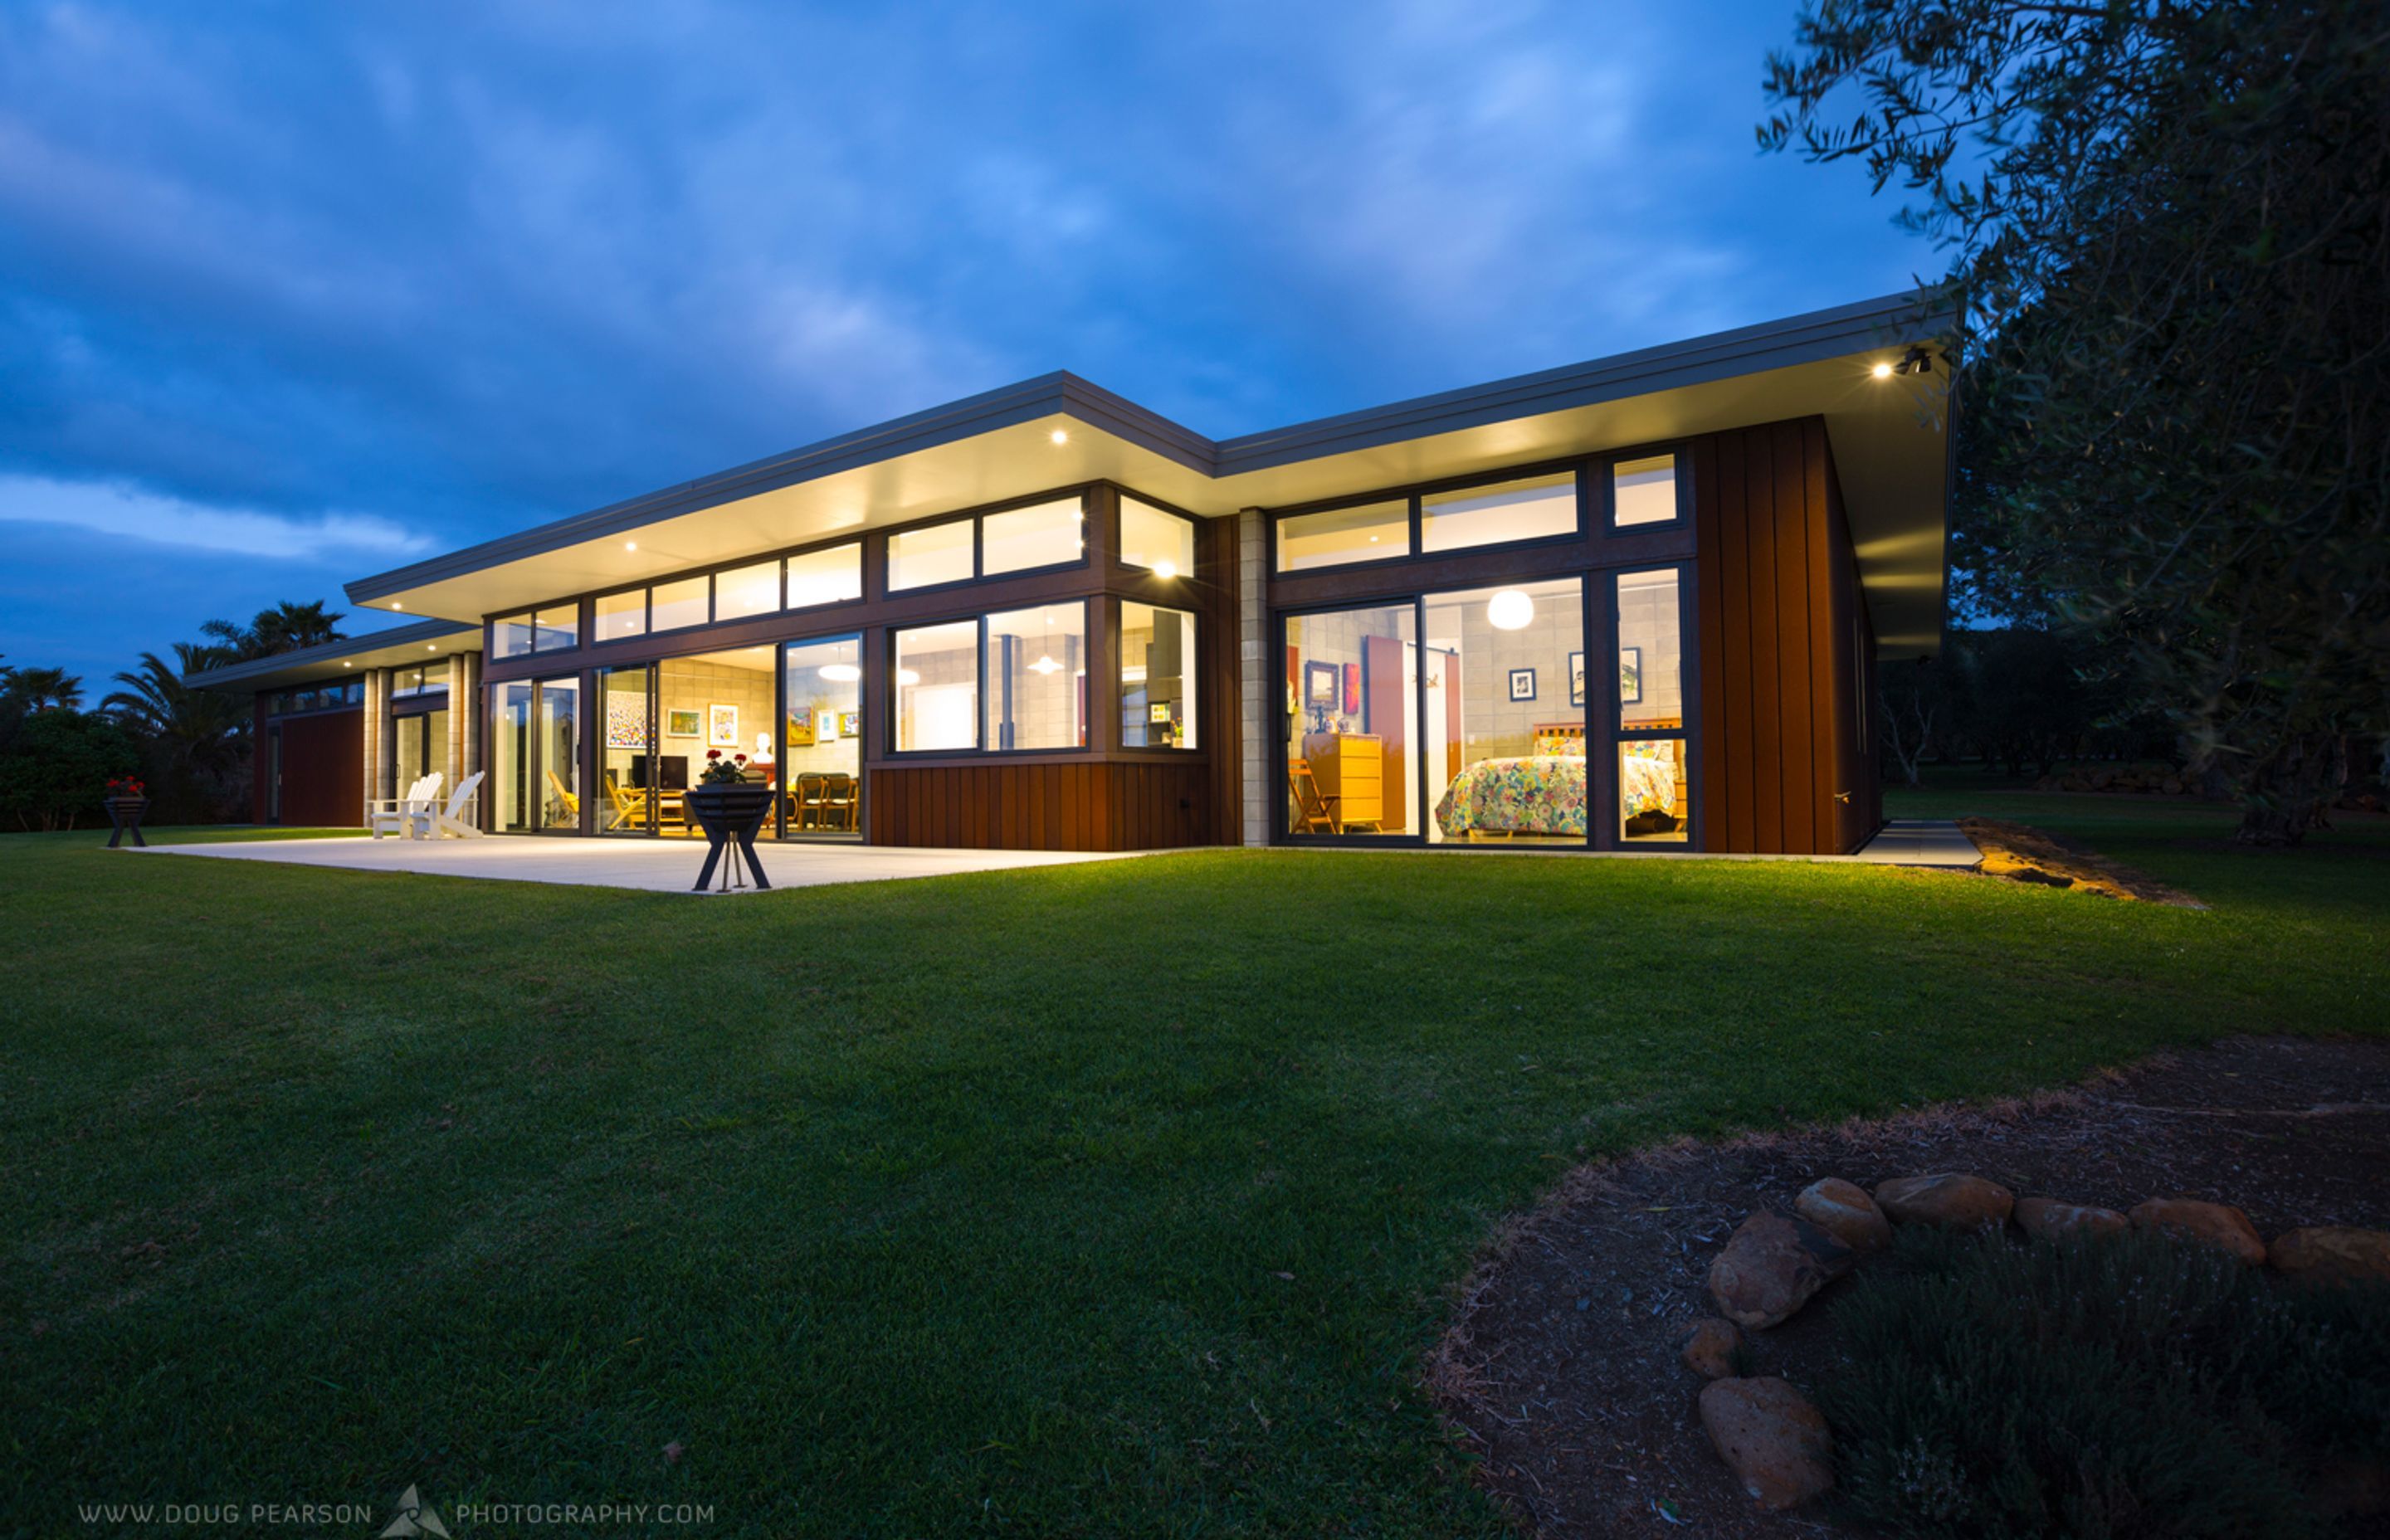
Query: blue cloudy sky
{"points": [[289, 294]]}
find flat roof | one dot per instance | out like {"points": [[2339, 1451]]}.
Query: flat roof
{"points": [[1890, 438], [392, 646]]}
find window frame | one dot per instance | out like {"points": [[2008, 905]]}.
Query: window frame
{"points": [[1681, 468], [1414, 496], [981, 749], [1114, 618], [1598, 580], [975, 518], [1121, 497]]}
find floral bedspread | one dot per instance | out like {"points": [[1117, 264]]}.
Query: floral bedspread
{"points": [[1544, 794]]}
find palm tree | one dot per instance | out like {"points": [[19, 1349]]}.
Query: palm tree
{"points": [[41, 690], [189, 727], [287, 626]]}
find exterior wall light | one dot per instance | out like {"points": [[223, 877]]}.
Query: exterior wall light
{"points": [[1165, 569]]}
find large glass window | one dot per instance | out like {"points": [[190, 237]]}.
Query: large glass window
{"points": [[510, 636], [1503, 744], [712, 702], [511, 756], [676, 603], [1644, 491], [1156, 677], [1050, 534], [1369, 532], [942, 553], [828, 576], [1037, 677], [554, 628], [1154, 539], [626, 763], [821, 752], [621, 615], [418, 745], [1351, 719], [1654, 805], [1529, 509], [937, 688], [744, 591], [559, 747]]}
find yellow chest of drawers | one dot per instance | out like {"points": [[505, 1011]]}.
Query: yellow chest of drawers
{"points": [[1350, 767]]}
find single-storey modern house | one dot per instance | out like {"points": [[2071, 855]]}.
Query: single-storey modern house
{"points": [[1634, 603]]}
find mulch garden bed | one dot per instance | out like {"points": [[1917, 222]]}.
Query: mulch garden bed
{"points": [[1561, 1368], [2022, 853]]}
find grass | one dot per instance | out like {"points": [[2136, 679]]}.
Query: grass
{"points": [[1106, 1199]]}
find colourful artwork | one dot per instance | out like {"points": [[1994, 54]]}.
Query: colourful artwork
{"points": [[1352, 686], [801, 726], [683, 724], [626, 721], [721, 726], [849, 724]]}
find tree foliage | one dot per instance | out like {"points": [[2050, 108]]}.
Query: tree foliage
{"points": [[56, 764], [2169, 236], [285, 628], [194, 742]]}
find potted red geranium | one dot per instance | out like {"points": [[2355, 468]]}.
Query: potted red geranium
{"points": [[730, 808], [127, 799]]}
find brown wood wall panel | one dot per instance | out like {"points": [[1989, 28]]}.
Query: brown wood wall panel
{"points": [[1071, 804], [1788, 766], [322, 770]]}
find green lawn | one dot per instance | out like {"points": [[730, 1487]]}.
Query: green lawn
{"points": [[1107, 1198]]}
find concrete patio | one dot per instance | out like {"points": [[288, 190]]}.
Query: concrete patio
{"points": [[654, 866], [670, 865]]}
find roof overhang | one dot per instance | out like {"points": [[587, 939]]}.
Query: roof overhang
{"points": [[425, 641], [1890, 438]]}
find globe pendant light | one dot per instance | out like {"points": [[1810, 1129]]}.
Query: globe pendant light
{"points": [[1511, 610]]}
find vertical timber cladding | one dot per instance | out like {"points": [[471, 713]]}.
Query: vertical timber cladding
{"points": [[323, 767], [1791, 766]]}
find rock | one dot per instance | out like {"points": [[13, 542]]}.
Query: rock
{"points": [[1952, 1201], [1844, 1211], [1770, 1268], [1709, 1346], [2332, 1254], [2215, 1225], [1775, 1441], [2048, 1219]]}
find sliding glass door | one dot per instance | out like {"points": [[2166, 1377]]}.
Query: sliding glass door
{"points": [[821, 741], [1351, 720], [535, 755], [627, 775]]}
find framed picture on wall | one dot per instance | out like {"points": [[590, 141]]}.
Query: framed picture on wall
{"points": [[626, 721], [848, 724], [683, 724], [801, 726], [1576, 678], [1523, 683], [1352, 688], [721, 726], [1319, 685], [1630, 675]]}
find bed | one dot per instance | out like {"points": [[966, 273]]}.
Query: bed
{"points": [[1544, 793]]}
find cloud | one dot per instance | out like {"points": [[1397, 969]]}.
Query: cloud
{"points": [[133, 515]]}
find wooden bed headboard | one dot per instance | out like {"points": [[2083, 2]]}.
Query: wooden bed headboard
{"points": [[1561, 737]]}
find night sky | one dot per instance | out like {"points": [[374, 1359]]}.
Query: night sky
{"points": [[290, 295]]}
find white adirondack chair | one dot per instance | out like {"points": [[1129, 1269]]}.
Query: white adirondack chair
{"points": [[451, 822], [409, 817]]}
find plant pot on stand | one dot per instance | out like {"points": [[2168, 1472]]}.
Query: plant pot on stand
{"points": [[124, 817], [731, 814]]}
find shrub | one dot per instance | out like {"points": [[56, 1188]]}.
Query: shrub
{"points": [[57, 767], [2126, 1389]]}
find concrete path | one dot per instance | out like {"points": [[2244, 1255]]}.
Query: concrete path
{"points": [[1919, 842], [656, 866]]}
